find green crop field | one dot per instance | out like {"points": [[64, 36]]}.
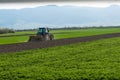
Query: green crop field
{"points": [[19, 33], [92, 60], [16, 39], [58, 34]]}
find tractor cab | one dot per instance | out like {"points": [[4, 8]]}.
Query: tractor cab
{"points": [[42, 31]]}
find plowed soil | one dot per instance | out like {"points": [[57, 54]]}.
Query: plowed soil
{"points": [[46, 44]]}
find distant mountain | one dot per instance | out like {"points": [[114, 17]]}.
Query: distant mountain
{"points": [[52, 16]]}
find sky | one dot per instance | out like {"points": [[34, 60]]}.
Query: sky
{"points": [[4, 4], [19, 4]]}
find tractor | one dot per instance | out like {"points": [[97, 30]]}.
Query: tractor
{"points": [[42, 35]]}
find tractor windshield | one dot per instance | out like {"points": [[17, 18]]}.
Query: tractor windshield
{"points": [[41, 31]]}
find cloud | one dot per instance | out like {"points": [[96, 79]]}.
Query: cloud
{"points": [[18, 4], [38, 4], [44, 1]]}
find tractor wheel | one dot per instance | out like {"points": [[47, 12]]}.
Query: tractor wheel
{"points": [[46, 37], [51, 37]]}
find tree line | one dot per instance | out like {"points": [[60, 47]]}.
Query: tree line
{"points": [[6, 30]]}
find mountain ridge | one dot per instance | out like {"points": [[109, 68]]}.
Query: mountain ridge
{"points": [[59, 16]]}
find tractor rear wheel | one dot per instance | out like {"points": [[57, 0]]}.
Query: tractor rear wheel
{"points": [[51, 37], [46, 37]]}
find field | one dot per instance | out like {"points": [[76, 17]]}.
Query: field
{"points": [[58, 34], [89, 60], [52, 43], [19, 33], [93, 60]]}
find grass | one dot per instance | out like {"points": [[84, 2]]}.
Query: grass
{"points": [[89, 60], [60, 34], [19, 33], [11, 40], [84, 32]]}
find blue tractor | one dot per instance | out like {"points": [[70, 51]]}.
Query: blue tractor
{"points": [[42, 35]]}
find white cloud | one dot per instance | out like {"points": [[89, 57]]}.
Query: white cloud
{"points": [[31, 5]]}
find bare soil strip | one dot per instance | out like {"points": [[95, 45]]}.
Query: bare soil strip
{"points": [[45, 44]]}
